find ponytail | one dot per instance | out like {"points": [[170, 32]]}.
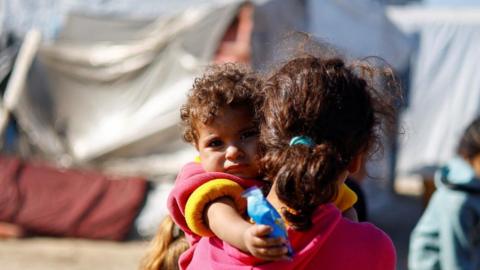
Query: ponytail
{"points": [[304, 177], [165, 248]]}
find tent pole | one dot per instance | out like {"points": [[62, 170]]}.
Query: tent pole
{"points": [[16, 83]]}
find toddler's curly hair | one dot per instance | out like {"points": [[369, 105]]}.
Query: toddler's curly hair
{"points": [[222, 86]]}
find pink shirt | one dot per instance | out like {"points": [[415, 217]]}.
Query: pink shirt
{"points": [[332, 243]]}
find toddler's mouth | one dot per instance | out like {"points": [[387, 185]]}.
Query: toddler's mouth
{"points": [[235, 168]]}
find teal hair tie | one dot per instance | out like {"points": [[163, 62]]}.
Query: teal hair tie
{"points": [[305, 140]]}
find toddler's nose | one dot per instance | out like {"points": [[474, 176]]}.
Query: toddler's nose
{"points": [[233, 152]]}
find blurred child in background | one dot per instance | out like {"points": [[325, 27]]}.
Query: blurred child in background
{"points": [[448, 234]]}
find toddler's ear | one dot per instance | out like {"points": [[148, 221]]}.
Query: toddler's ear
{"points": [[355, 164]]}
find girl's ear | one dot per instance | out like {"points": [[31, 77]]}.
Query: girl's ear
{"points": [[355, 164]]}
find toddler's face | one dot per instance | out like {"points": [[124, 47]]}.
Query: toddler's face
{"points": [[229, 144]]}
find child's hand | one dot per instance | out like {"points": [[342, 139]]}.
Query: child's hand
{"points": [[351, 214], [261, 246]]}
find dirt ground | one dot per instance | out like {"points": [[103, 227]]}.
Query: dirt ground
{"points": [[71, 254]]}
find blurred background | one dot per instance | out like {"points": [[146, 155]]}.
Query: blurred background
{"points": [[94, 87]]}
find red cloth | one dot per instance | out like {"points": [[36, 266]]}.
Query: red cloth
{"points": [[332, 243], [70, 203]]}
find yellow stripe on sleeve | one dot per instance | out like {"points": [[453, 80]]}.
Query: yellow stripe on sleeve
{"points": [[206, 193]]}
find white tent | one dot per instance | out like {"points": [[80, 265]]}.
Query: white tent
{"points": [[110, 89], [445, 85], [106, 91]]}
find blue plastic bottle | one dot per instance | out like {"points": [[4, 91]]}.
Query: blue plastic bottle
{"points": [[262, 212]]}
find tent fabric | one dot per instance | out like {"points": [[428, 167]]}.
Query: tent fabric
{"points": [[445, 85], [360, 28], [2, 22], [116, 93], [7, 56], [110, 97], [451, 3], [272, 20], [49, 15], [7, 50]]}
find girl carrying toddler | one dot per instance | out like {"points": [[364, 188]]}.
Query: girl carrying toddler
{"points": [[221, 121], [320, 117]]}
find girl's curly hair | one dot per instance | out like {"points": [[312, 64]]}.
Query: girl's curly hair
{"points": [[226, 85], [337, 107]]}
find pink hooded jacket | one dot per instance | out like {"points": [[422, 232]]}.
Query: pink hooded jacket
{"points": [[188, 180], [332, 243]]}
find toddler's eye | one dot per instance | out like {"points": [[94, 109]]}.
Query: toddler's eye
{"points": [[215, 143], [249, 133]]}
